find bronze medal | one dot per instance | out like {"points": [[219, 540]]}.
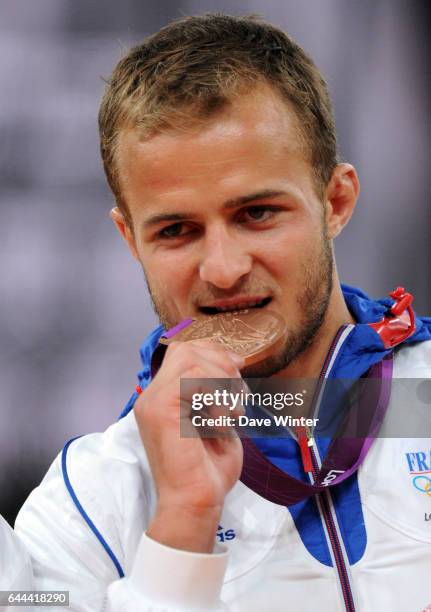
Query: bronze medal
{"points": [[253, 333]]}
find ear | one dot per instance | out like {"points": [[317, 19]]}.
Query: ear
{"points": [[125, 230], [341, 195]]}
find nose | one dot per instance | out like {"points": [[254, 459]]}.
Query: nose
{"points": [[224, 259]]}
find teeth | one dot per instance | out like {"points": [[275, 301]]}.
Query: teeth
{"points": [[241, 306], [238, 307]]}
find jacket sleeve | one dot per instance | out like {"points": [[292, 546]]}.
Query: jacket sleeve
{"points": [[64, 553], [167, 579], [67, 556], [15, 568]]}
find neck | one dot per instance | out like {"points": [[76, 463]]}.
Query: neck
{"points": [[310, 362]]}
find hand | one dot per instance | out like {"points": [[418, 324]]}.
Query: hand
{"points": [[192, 474]]}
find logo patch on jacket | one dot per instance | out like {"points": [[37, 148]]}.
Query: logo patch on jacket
{"points": [[419, 464]]}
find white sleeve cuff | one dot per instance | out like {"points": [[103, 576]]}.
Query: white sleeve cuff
{"points": [[177, 578]]}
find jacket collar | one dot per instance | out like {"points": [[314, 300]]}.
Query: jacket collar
{"points": [[363, 346]]}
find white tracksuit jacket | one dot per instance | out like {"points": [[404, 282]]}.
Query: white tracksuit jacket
{"points": [[263, 559]]}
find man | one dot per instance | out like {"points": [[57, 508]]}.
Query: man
{"points": [[219, 144]]}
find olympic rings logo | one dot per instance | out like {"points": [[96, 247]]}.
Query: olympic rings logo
{"points": [[422, 487]]}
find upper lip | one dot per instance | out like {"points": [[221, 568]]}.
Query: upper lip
{"points": [[238, 301]]}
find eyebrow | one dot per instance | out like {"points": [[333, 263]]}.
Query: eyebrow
{"points": [[229, 204]]}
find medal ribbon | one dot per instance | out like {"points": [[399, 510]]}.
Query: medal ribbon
{"points": [[344, 456]]}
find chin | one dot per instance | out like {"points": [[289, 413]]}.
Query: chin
{"points": [[266, 368]]}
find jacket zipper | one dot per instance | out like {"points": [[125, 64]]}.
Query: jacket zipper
{"points": [[311, 465], [328, 515]]}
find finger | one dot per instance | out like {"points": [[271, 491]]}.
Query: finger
{"points": [[206, 388], [182, 358], [230, 362], [217, 348]]}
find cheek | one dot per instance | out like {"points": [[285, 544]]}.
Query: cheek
{"points": [[169, 275], [285, 252]]}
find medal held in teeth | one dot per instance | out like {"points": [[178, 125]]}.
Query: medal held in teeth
{"points": [[252, 333]]}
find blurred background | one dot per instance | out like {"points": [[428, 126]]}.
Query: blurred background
{"points": [[73, 304]]}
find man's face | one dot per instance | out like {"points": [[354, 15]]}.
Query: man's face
{"points": [[227, 217]]}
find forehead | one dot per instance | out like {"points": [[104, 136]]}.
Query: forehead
{"points": [[256, 134]]}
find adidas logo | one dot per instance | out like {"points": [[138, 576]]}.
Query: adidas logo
{"points": [[224, 535]]}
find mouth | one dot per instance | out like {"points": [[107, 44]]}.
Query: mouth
{"points": [[235, 305]]}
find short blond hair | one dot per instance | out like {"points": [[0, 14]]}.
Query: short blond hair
{"points": [[192, 68]]}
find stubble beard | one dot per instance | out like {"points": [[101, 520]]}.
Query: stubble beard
{"points": [[313, 302]]}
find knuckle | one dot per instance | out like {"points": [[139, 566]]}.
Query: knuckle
{"points": [[180, 352], [195, 371]]}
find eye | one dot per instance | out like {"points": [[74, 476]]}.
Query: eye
{"points": [[171, 231], [259, 213]]}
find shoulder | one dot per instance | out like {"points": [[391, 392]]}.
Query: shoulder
{"points": [[104, 467], [413, 360], [99, 462], [120, 447], [112, 464], [98, 484]]}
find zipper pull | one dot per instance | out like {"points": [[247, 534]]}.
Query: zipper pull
{"points": [[305, 442]]}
